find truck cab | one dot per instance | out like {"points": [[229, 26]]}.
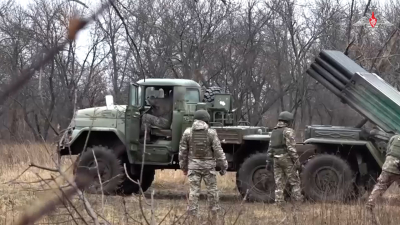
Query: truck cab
{"points": [[114, 133], [163, 143]]}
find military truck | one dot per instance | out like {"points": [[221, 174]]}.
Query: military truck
{"points": [[113, 134], [346, 161], [338, 162]]}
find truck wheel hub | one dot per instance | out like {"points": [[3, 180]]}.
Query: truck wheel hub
{"points": [[261, 179], [326, 179], [103, 171]]}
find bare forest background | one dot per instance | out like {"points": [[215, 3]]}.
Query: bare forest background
{"points": [[257, 50]]}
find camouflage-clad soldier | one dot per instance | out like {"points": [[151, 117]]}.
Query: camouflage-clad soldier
{"points": [[390, 171], [160, 113], [282, 152], [200, 152]]}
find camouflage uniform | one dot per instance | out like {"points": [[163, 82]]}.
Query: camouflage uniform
{"points": [[390, 171], [285, 163], [199, 161], [160, 113]]}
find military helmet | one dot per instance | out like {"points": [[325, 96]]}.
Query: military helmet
{"points": [[285, 116], [202, 114]]}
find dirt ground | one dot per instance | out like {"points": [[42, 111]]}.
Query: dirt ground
{"points": [[19, 193]]}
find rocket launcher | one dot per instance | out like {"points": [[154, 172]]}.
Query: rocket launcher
{"points": [[365, 92]]}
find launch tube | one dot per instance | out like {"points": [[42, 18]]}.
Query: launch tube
{"points": [[329, 77]]}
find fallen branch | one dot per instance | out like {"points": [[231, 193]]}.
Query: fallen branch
{"points": [[140, 196], [89, 208], [69, 201]]}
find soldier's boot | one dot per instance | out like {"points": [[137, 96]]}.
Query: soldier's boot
{"points": [[193, 218], [279, 197], [299, 200], [215, 218], [280, 204], [215, 214], [369, 206], [370, 214]]}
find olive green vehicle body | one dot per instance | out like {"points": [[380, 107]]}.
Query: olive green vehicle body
{"points": [[122, 123]]}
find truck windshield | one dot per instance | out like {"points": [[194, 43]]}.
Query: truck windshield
{"points": [[192, 95]]}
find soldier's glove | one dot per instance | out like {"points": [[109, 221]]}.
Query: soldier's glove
{"points": [[222, 172], [268, 166]]}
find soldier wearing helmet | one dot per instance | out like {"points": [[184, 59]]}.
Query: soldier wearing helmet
{"points": [[282, 153], [200, 152], [390, 171]]}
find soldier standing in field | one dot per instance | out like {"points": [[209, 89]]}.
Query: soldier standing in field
{"points": [[282, 153], [200, 152], [390, 171]]}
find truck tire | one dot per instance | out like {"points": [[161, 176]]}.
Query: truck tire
{"points": [[253, 176], [128, 187], [327, 178], [210, 92], [110, 170]]}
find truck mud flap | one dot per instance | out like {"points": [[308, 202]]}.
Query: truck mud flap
{"points": [[365, 92]]}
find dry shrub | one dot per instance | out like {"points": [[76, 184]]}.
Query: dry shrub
{"points": [[15, 158], [18, 154], [174, 179], [171, 210]]}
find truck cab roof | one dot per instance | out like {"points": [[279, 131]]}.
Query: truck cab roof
{"points": [[168, 82]]}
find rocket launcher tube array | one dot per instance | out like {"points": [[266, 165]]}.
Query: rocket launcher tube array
{"points": [[344, 80], [342, 63], [329, 77], [324, 82], [365, 92]]}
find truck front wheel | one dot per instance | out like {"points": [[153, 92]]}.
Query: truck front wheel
{"points": [[128, 187], [327, 178], [106, 165], [253, 179]]}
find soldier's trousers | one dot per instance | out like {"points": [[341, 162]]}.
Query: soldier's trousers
{"points": [[284, 170], [151, 120], [385, 179], [210, 180]]}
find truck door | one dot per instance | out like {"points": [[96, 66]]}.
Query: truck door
{"points": [[132, 118]]}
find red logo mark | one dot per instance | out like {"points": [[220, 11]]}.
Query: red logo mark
{"points": [[372, 20]]}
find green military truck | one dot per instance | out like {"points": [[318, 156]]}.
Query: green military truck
{"points": [[113, 133], [347, 160], [338, 162]]}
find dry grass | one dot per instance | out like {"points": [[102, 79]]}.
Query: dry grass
{"points": [[170, 201]]}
